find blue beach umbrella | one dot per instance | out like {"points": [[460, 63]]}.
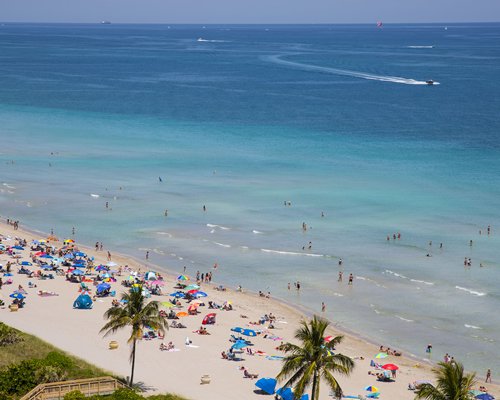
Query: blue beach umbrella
{"points": [[237, 329], [101, 268], [287, 394], [79, 265], [18, 247], [239, 344], [373, 395], [17, 295], [26, 263], [46, 256], [46, 266], [79, 254], [178, 295], [249, 332], [485, 396], [200, 294], [103, 286], [69, 256], [268, 385], [77, 272]]}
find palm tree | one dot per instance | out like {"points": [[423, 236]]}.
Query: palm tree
{"points": [[451, 383], [135, 314], [313, 360]]}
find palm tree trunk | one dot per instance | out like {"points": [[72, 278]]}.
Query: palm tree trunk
{"points": [[133, 363], [314, 395]]}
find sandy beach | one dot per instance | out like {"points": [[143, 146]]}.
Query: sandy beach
{"points": [[52, 318]]}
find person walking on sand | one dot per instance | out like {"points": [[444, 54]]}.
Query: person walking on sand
{"points": [[488, 376], [109, 256]]}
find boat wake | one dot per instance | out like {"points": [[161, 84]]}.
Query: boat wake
{"points": [[276, 59], [420, 47]]}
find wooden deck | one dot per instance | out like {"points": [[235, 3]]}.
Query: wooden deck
{"points": [[89, 387]]}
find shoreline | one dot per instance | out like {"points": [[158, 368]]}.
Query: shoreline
{"points": [[356, 344]]}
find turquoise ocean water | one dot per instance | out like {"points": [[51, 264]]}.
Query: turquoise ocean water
{"points": [[334, 119]]}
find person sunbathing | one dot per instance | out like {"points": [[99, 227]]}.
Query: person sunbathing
{"points": [[247, 374], [224, 355]]}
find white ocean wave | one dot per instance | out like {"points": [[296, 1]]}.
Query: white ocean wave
{"points": [[474, 292]]}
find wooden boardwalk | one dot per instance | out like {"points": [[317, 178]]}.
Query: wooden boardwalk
{"points": [[89, 387]]}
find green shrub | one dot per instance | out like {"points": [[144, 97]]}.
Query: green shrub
{"points": [[126, 394], [74, 395], [8, 335]]}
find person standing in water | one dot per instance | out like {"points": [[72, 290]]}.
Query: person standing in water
{"points": [[147, 255], [340, 276], [323, 307], [351, 278]]}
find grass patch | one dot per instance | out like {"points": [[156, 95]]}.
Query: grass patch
{"points": [[30, 347]]}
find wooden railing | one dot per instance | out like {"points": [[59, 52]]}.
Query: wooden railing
{"points": [[89, 387]]}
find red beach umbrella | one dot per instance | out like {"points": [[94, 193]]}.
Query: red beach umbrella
{"points": [[193, 291], [328, 339], [390, 367]]}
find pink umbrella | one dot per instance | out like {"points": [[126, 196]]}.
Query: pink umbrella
{"points": [[158, 283]]}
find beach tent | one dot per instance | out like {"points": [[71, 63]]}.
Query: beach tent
{"points": [[268, 385], [83, 302], [103, 287], [209, 319], [150, 276]]}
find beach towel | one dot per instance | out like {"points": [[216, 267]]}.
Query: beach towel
{"points": [[192, 345], [274, 358]]}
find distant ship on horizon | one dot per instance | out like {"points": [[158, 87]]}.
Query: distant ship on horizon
{"points": [[105, 22]]}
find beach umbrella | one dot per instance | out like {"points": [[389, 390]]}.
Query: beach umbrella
{"points": [[77, 272], [286, 393], [183, 278], [26, 263], [373, 395], [193, 291], [79, 265], [200, 294], [68, 256], [39, 253], [101, 268], [17, 295], [485, 396], [111, 264], [46, 256], [192, 287], [390, 367], [158, 283], [46, 266], [371, 389], [17, 247], [382, 355], [66, 241], [268, 385], [237, 329], [79, 254], [182, 314], [239, 344], [328, 339], [167, 304], [178, 295], [103, 286], [249, 332]]}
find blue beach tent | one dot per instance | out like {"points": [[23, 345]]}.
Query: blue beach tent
{"points": [[83, 302]]}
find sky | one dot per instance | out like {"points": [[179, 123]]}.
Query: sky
{"points": [[249, 11]]}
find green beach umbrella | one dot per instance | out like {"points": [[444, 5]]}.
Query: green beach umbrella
{"points": [[167, 304], [382, 355]]}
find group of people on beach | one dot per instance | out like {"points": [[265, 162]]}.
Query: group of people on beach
{"points": [[14, 224]]}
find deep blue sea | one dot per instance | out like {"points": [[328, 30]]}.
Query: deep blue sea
{"points": [[333, 119]]}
